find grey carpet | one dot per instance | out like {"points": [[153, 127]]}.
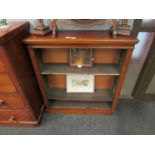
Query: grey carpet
{"points": [[130, 118]]}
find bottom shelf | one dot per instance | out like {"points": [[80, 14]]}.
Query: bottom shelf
{"points": [[98, 95], [79, 104], [79, 107], [61, 102]]}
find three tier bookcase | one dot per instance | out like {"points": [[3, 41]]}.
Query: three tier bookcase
{"points": [[50, 59]]}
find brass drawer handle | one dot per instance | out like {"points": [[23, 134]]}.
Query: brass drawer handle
{"points": [[1, 103], [12, 119]]}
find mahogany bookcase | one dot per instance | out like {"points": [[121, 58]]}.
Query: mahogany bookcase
{"points": [[50, 59]]}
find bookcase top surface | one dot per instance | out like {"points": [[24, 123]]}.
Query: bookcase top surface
{"points": [[81, 37]]}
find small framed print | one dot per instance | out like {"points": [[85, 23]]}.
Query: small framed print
{"points": [[80, 83], [80, 57]]}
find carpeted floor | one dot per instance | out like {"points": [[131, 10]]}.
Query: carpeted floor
{"points": [[130, 118]]}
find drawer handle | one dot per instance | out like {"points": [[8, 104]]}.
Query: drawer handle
{"points": [[12, 119], [1, 103]]}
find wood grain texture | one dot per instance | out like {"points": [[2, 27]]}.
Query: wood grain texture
{"points": [[74, 111], [14, 116], [6, 84], [19, 69], [58, 55], [56, 81], [106, 56], [108, 61], [11, 101], [14, 30], [104, 82], [2, 67], [59, 81], [82, 37]]}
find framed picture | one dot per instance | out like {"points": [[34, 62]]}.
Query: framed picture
{"points": [[80, 57], [80, 83]]}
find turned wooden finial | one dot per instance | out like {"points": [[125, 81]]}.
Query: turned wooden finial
{"points": [[124, 22], [40, 24], [40, 28]]}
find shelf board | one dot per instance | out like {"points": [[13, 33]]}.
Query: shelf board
{"points": [[98, 69], [98, 95], [78, 104]]}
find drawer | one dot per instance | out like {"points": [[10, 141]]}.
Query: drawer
{"points": [[6, 85], [14, 116], [11, 101], [2, 67]]}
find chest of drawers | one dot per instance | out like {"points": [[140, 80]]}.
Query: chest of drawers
{"points": [[20, 98]]}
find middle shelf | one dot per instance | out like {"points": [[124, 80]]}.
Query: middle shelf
{"points": [[97, 69]]}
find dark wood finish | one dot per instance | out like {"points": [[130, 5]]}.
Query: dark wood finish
{"points": [[18, 87], [89, 38], [98, 69], [37, 71], [14, 30], [127, 58], [111, 56]]}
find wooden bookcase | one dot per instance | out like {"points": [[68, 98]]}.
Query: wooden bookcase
{"points": [[50, 59]]}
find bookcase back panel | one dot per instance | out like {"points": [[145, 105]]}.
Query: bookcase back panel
{"points": [[61, 55], [109, 56], [56, 81], [55, 55], [59, 81], [104, 82]]}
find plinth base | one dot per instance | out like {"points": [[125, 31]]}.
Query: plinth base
{"points": [[41, 32]]}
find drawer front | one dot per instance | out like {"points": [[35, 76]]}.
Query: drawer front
{"points": [[2, 67], [6, 85], [11, 101], [14, 116]]}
